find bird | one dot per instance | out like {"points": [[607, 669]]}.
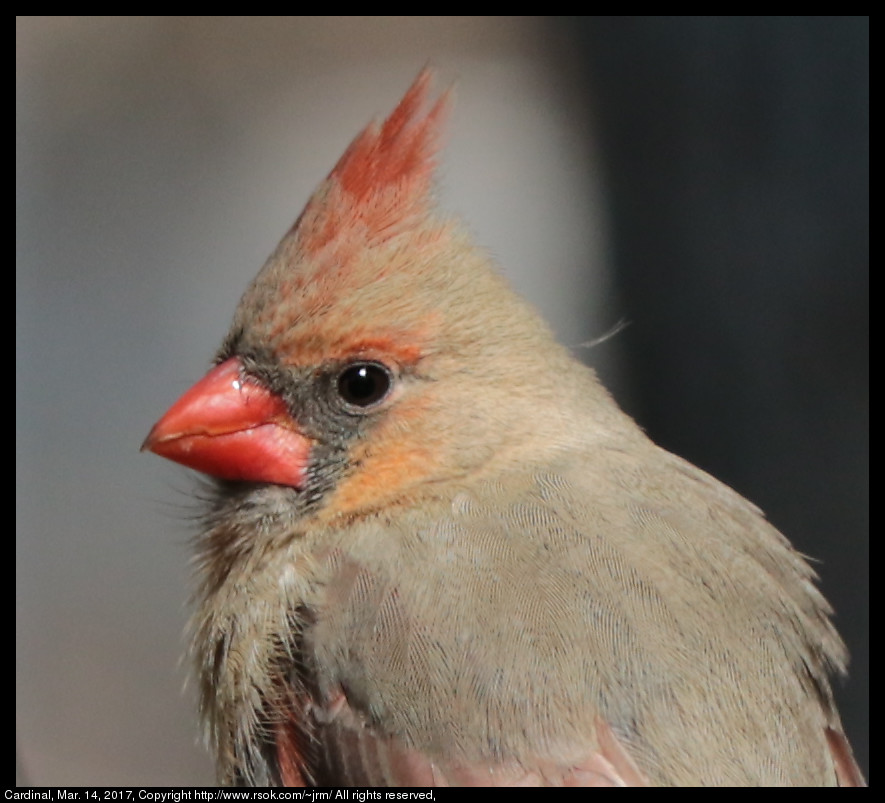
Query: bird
{"points": [[435, 552]]}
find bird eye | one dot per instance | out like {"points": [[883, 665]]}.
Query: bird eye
{"points": [[364, 384]]}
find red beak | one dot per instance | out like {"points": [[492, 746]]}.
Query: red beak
{"points": [[230, 427]]}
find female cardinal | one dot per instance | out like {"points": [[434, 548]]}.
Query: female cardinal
{"points": [[436, 551]]}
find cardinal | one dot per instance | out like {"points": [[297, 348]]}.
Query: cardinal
{"points": [[435, 551]]}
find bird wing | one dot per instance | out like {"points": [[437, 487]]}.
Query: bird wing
{"points": [[554, 628], [343, 750]]}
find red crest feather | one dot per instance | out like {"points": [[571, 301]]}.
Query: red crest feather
{"points": [[384, 178]]}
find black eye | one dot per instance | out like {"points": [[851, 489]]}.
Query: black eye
{"points": [[364, 383]]}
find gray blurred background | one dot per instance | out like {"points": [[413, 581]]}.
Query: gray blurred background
{"points": [[703, 178]]}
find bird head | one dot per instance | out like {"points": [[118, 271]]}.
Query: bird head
{"points": [[377, 354]]}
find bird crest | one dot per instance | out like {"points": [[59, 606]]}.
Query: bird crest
{"points": [[384, 179], [368, 225]]}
